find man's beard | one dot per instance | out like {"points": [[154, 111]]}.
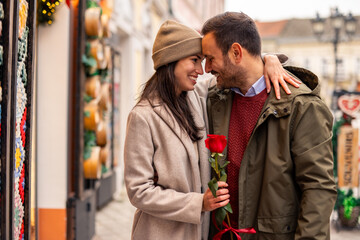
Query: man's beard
{"points": [[229, 75]]}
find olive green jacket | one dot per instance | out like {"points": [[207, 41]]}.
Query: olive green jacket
{"points": [[286, 183]]}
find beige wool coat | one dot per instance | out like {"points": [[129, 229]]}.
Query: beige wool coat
{"points": [[169, 208]]}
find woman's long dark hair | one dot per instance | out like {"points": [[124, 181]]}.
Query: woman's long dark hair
{"points": [[163, 84]]}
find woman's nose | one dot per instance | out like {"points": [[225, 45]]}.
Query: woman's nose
{"points": [[207, 66], [200, 69]]}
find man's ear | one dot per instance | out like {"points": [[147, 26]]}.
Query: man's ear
{"points": [[236, 53]]}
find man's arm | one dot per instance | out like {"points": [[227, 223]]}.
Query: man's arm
{"points": [[311, 149]]}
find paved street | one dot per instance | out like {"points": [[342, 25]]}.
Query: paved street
{"points": [[113, 222]]}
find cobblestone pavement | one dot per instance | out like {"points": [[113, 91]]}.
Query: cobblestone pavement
{"points": [[113, 222]]}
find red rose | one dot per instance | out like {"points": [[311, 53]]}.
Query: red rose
{"points": [[215, 143]]}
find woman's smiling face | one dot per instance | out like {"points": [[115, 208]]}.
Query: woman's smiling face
{"points": [[186, 72]]}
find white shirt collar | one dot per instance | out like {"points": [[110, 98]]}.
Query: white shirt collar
{"points": [[255, 89]]}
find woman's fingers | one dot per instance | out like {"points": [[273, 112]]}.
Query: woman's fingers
{"points": [[211, 203], [220, 204], [222, 184], [274, 73], [268, 84], [285, 86], [291, 80], [222, 191]]}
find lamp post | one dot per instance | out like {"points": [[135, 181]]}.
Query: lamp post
{"points": [[337, 22]]}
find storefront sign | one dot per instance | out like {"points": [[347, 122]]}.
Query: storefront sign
{"points": [[348, 155]]}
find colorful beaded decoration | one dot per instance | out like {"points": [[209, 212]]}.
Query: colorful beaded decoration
{"points": [[20, 132]]}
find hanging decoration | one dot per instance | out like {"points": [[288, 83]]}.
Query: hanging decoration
{"points": [[97, 94], [46, 10], [21, 114]]}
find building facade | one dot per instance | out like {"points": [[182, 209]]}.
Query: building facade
{"points": [[67, 199], [295, 38]]}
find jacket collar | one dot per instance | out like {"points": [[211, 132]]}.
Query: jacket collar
{"points": [[283, 106], [272, 106]]}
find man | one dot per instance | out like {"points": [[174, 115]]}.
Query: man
{"points": [[280, 174]]}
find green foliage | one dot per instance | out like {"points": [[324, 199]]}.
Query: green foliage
{"points": [[104, 169], [213, 186], [221, 175], [220, 215], [87, 99], [228, 208], [89, 142], [92, 4], [348, 201], [90, 65]]}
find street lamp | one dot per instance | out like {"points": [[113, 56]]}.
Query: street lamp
{"points": [[337, 21]]}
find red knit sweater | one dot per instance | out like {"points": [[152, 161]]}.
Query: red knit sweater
{"points": [[244, 114]]}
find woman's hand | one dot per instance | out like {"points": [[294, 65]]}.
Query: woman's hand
{"points": [[211, 203], [274, 72]]}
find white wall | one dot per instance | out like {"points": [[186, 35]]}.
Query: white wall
{"points": [[52, 114], [132, 52]]}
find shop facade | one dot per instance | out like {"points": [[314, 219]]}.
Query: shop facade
{"points": [[68, 82]]}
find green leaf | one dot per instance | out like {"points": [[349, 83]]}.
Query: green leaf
{"points": [[223, 178], [228, 208], [89, 138], [220, 214], [86, 114], [87, 99], [211, 160], [213, 186], [87, 152], [213, 165], [91, 4], [225, 164], [349, 204], [87, 48], [88, 61]]}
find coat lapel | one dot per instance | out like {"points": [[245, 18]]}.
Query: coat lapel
{"points": [[164, 113], [219, 106], [203, 153]]}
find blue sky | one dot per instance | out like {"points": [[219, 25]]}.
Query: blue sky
{"points": [[270, 10]]}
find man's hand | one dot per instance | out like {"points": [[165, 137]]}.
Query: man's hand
{"points": [[211, 203], [274, 72]]}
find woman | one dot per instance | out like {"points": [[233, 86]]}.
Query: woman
{"points": [[166, 166]]}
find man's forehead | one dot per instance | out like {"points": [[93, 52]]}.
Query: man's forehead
{"points": [[209, 46], [207, 42], [208, 38]]}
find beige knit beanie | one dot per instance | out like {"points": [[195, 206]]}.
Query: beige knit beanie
{"points": [[173, 42]]}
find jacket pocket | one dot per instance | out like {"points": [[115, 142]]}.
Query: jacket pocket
{"points": [[277, 224]]}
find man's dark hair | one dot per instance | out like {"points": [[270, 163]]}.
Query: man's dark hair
{"points": [[230, 27]]}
